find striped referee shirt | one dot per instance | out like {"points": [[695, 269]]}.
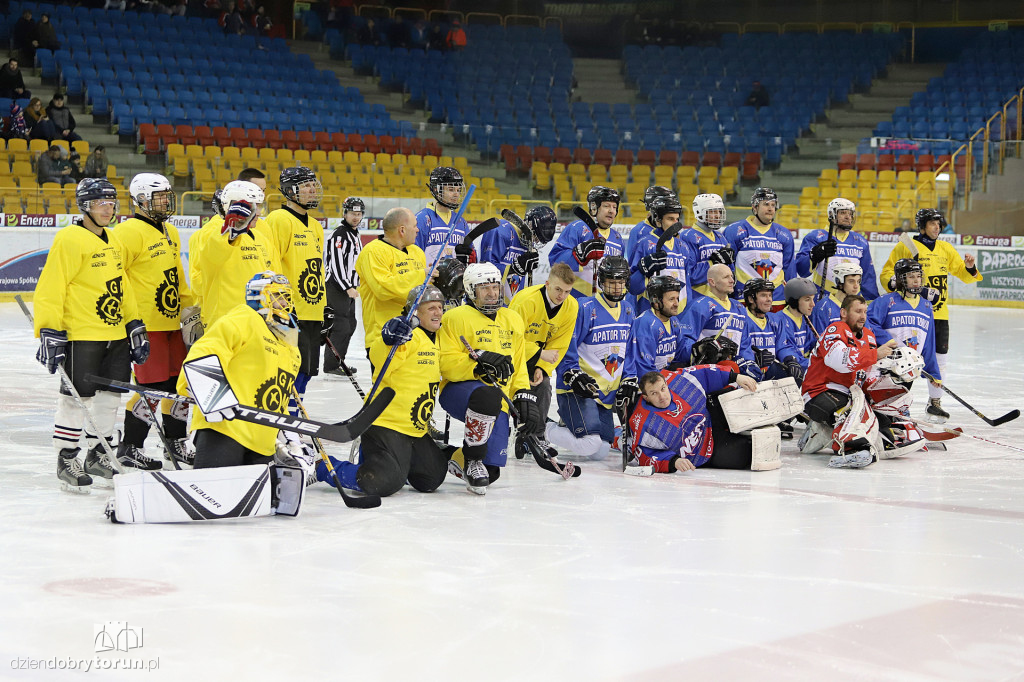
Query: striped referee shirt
{"points": [[340, 252]]}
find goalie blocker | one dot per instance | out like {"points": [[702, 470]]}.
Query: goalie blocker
{"points": [[206, 494]]}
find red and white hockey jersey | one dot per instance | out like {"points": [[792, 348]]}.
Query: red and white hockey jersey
{"points": [[837, 357]]}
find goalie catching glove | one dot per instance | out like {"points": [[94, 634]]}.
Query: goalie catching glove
{"points": [[531, 421], [493, 367], [581, 383], [291, 451], [53, 347]]}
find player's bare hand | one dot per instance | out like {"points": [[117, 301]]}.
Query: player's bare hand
{"points": [[352, 293], [743, 381], [550, 356], [969, 261], [886, 349], [683, 464], [538, 376]]}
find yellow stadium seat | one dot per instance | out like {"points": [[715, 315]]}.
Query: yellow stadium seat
{"points": [[301, 156], [82, 147], [318, 156], [847, 176], [577, 169], [829, 176], [193, 151], [461, 163], [37, 147], [212, 153], [17, 150], [867, 178], [268, 154], [906, 179], [249, 154], [642, 173], [175, 150], [868, 198], [231, 154], [685, 174], [22, 169], [487, 183], [430, 161], [809, 193], [886, 179]]}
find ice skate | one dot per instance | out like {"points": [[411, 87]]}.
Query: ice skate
{"points": [[182, 452], [131, 457], [851, 460], [935, 412], [815, 437], [476, 477], [97, 465], [72, 476]]}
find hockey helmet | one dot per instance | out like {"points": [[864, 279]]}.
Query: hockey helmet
{"points": [[762, 194], [600, 194], [928, 214], [270, 294], [906, 364], [659, 285], [843, 270], [542, 222], [840, 204], [797, 288], [95, 189], [243, 191], [448, 278], [353, 204], [300, 185], [655, 191], [709, 211], [442, 177], [478, 274], [153, 196], [903, 268], [217, 203], [752, 288], [431, 294], [661, 207], [613, 268]]}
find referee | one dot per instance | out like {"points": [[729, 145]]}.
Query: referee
{"points": [[342, 282]]}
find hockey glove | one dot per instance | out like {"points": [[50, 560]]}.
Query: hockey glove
{"points": [[590, 250], [930, 294], [328, 324], [724, 256], [820, 252], [706, 352], [763, 357], [581, 383], [728, 347], [653, 263], [291, 451], [227, 413], [892, 283], [493, 367], [138, 341], [795, 369], [191, 325], [464, 252], [750, 368], [396, 331], [531, 421], [237, 219], [626, 397], [52, 348], [525, 263]]}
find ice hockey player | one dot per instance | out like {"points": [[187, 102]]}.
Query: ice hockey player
{"points": [[340, 255], [671, 428], [87, 321], [794, 319], [471, 389], [820, 254], [397, 448], [299, 238], [506, 249], [549, 314], [433, 222], [672, 261], [255, 344], [938, 260], [847, 277], [715, 326], [846, 347], [774, 353], [763, 247], [152, 262], [706, 241], [581, 248], [644, 227], [389, 267], [589, 374]]}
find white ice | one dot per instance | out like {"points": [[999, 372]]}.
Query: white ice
{"points": [[911, 569]]}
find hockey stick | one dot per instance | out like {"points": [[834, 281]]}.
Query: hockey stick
{"points": [[430, 274], [1009, 416], [525, 235], [340, 432], [592, 224], [570, 470], [668, 234], [76, 396], [357, 501], [824, 265], [959, 432], [344, 368], [480, 229], [160, 432], [908, 242]]}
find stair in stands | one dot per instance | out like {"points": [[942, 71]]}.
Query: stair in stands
{"points": [[601, 80]]}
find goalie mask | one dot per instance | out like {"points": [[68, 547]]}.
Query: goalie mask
{"points": [[94, 191], [270, 295], [926, 215], [709, 211], [244, 191], [542, 222], [903, 268], [447, 178], [153, 197], [843, 270], [905, 364], [476, 276], [840, 204], [299, 185], [613, 278]]}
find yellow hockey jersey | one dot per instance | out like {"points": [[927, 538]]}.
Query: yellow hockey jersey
{"points": [[386, 276], [260, 368], [299, 241], [937, 264], [415, 375], [544, 330], [82, 289], [504, 334], [225, 266], [152, 261], [212, 228]]}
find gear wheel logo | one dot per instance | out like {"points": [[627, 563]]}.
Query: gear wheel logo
{"points": [[423, 407], [311, 281], [273, 393], [108, 305], [167, 295]]}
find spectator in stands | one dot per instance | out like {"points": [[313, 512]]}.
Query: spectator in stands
{"points": [[12, 84], [232, 21], [179, 9], [62, 119], [24, 33], [436, 39], [40, 127], [368, 34], [46, 35], [16, 128], [34, 111], [456, 38], [96, 164], [52, 167], [74, 160], [758, 96], [261, 22], [419, 39]]}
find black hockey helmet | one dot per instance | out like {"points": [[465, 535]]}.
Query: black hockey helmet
{"points": [[542, 221], [448, 278], [904, 267], [353, 204], [662, 206], [444, 176], [613, 267], [659, 285], [655, 191], [95, 189], [797, 288], [600, 194], [763, 194], [729, 348], [752, 288], [927, 214], [299, 176]]}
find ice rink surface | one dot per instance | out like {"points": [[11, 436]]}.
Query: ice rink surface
{"points": [[911, 569]]}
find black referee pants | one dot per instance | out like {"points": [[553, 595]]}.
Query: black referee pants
{"points": [[344, 308]]}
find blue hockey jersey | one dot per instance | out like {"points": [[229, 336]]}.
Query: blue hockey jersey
{"points": [[575, 233], [598, 345], [851, 246], [826, 311], [765, 252], [893, 317], [653, 345], [706, 316], [701, 244], [799, 332], [677, 253], [433, 223], [500, 247]]}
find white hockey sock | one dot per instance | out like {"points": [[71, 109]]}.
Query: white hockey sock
{"points": [[589, 446], [935, 391], [67, 424], [104, 408]]}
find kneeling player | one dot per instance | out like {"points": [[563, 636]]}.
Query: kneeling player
{"points": [[397, 448], [774, 354], [671, 428]]}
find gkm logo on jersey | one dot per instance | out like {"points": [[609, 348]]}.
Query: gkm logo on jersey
{"points": [[311, 281], [273, 394], [423, 407], [167, 294], [108, 305]]}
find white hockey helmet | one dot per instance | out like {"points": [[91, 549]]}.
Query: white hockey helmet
{"points": [[844, 269], [906, 364], [475, 275], [153, 196], [242, 190], [840, 204], [709, 211]]}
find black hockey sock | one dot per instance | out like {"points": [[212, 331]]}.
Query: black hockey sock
{"points": [[174, 428], [135, 430]]}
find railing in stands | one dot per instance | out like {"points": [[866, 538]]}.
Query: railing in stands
{"points": [[483, 17], [414, 13]]}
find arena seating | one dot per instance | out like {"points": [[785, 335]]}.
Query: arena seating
{"points": [[884, 198]]}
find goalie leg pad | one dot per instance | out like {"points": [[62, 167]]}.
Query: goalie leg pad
{"points": [[773, 402], [765, 448], [288, 489], [198, 495]]}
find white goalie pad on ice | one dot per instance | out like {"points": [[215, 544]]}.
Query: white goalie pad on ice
{"points": [[773, 402], [765, 448]]}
